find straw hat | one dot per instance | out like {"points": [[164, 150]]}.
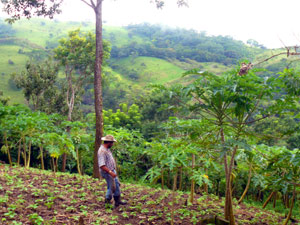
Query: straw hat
{"points": [[109, 138]]}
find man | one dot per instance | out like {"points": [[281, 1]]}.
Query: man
{"points": [[107, 167]]}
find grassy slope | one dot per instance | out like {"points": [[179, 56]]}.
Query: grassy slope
{"points": [[150, 70], [42, 197], [10, 52]]}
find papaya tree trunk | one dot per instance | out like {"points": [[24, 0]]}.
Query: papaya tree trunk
{"points": [[226, 209], [27, 164], [173, 196], [274, 199], [42, 157], [81, 166], [64, 156], [193, 181], [228, 193], [206, 185], [7, 149], [247, 186], [268, 199], [78, 161], [180, 179], [19, 152], [291, 207], [54, 162], [162, 178], [217, 188], [287, 200], [24, 151]]}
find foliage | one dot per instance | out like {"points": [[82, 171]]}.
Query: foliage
{"points": [[78, 51], [26, 8], [36, 81], [181, 44], [126, 117]]}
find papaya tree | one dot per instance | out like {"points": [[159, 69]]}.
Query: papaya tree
{"points": [[80, 139], [200, 135], [169, 155], [231, 103], [9, 127], [56, 145]]}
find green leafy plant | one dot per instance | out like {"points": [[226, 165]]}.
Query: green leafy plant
{"points": [[36, 219]]}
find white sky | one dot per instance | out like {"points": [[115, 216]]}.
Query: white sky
{"points": [[266, 21]]}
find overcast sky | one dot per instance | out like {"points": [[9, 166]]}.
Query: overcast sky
{"points": [[273, 23]]}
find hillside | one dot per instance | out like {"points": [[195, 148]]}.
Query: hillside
{"points": [[141, 54], [32, 196]]}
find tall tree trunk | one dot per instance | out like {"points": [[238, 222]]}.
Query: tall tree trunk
{"points": [[247, 186], [291, 207], [193, 181], [98, 86]]}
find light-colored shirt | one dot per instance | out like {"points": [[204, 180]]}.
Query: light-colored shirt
{"points": [[105, 158]]}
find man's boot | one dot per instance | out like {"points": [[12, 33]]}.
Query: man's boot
{"points": [[118, 201]]}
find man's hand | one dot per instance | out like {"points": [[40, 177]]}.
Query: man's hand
{"points": [[111, 173]]}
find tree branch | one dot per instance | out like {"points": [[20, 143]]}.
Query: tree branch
{"points": [[90, 5]]}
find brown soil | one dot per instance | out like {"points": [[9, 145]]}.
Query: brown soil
{"points": [[32, 196]]}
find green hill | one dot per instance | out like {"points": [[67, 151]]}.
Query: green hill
{"points": [[141, 54], [43, 197]]}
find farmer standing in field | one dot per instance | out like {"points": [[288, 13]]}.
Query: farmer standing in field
{"points": [[107, 167]]}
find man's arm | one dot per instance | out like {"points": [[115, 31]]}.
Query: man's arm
{"points": [[111, 173]]}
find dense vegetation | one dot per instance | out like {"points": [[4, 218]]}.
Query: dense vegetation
{"points": [[180, 44], [231, 136], [184, 153]]}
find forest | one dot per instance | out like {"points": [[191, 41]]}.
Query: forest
{"points": [[214, 141]]}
